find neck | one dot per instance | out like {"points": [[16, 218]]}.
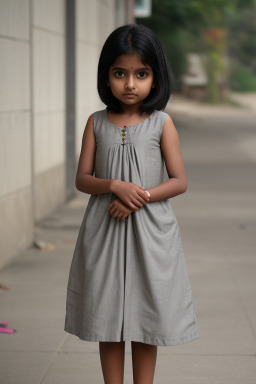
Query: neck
{"points": [[131, 109]]}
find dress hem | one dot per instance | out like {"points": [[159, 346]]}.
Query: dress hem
{"points": [[159, 341]]}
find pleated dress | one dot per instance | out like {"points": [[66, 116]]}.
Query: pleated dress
{"points": [[128, 280]]}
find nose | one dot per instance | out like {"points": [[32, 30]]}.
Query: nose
{"points": [[130, 82]]}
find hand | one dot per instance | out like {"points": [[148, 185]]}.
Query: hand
{"points": [[131, 194], [119, 210]]}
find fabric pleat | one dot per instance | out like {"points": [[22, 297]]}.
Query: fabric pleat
{"points": [[128, 280]]}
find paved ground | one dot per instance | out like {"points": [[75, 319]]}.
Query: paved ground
{"points": [[217, 222]]}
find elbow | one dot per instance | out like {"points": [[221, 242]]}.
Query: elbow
{"points": [[184, 186], [77, 185], [82, 184]]}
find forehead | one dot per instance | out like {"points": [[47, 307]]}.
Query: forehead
{"points": [[128, 60]]}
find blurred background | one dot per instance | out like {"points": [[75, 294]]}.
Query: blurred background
{"points": [[210, 44], [48, 74]]}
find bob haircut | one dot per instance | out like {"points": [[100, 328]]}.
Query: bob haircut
{"points": [[140, 39]]}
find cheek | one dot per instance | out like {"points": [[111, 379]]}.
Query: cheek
{"points": [[115, 88], [115, 84], [148, 85]]}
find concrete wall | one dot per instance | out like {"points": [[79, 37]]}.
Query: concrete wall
{"points": [[32, 118], [16, 141], [33, 121], [48, 104]]}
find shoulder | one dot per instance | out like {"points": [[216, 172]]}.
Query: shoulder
{"points": [[163, 117], [162, 113], [96, 114], [169, 132], [94, 117], [97, 117], [95, 122], [166, 121]]}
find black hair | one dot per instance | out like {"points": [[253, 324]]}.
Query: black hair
{"points": [[142, 40]]}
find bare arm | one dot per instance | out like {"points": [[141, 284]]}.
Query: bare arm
{"points": [[177, 183], [85, 182]]}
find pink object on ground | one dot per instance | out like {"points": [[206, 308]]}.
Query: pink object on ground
{"points": [[4, 329]]}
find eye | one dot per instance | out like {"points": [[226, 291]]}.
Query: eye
{"points": [[143, 73], [117, 73]]}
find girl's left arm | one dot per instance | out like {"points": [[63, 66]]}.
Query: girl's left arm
{"points": [[170, 147]]}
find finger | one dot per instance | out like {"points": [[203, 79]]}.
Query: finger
{"points": [[116, 213], [119, 216], [141, 200], [137, 201], [123, 217], [133, 206], [113, 210], [110, 206], [143, 197]]}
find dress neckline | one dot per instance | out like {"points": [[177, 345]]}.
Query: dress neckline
{"points": [[127, 126]]}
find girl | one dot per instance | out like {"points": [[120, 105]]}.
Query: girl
{"points": [[128, 279]]}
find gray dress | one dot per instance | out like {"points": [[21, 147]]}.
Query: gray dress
{"points": [[128, 280]]}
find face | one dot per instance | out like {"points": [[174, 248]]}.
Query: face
{"points": [[130, 80]]}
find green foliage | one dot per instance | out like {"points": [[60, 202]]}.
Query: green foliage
{"points": [[192, 14], [242, 38], [175, 49], [181, 26], [243, 80]]}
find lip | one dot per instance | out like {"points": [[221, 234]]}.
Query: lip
{"points": [[129, 94]]}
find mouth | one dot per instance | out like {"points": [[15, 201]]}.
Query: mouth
{"points": [[129, 94]]}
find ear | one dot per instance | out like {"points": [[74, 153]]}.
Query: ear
{"points": [[108, 83], [153, 85]]}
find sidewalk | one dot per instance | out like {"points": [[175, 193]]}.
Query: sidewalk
{"points": [[246, 104], [217, 222]]}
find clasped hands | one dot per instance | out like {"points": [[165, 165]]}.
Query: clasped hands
{"points": [[130, 197]]}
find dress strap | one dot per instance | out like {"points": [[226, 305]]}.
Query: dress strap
{"points": [[158, 121], [98, 117]]}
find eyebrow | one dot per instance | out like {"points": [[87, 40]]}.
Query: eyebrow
{"points": [[139, 69]]}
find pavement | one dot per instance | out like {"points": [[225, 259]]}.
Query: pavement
{"points": [[217, 222]]}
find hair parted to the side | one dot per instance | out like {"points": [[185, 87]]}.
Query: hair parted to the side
{"points": [[142, 40]]}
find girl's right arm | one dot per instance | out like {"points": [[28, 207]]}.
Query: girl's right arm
{"points": [[131, 194], [85, 182]]}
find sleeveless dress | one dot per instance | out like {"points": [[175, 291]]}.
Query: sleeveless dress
{"points": [[128, 280]]}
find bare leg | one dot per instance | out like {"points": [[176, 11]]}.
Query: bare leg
{"points": [[112, 355], [143, 362]]}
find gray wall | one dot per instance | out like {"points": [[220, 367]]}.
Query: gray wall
{"points": [[16, 139], [33, 163], [48, 104]]}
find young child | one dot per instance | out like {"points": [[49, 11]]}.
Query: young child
{"points": [[128, 279]]}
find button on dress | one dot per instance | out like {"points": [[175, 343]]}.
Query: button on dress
{"points": [[128, 280]]}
